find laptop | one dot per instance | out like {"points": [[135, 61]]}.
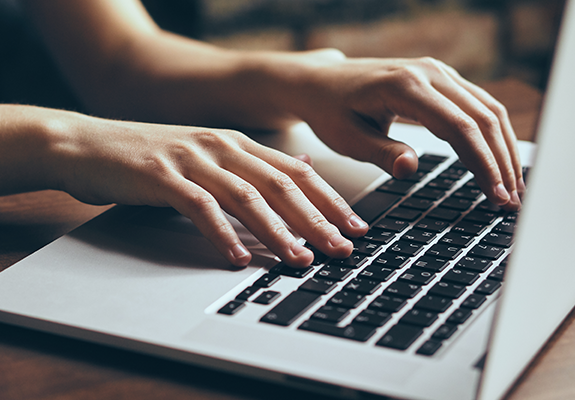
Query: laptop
{"points": [[443, 299]]}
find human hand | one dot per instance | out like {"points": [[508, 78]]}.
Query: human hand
{"points": [[197, 171], [350, 104]]}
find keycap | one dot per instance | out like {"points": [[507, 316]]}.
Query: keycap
{"points": [[347, 299], [405, 248], [389, 260], [372, 317], [400, 336], [429, 193], [417, 276], [417, 203], [247, 293], [433, 225], [459, 316], [429, 348], [447, 289], [331, 314], [488, 287], [318, 256], [232, 307], [469, 228], [445, 331], [388, 303], [396, 186], [488, 206], [486, 251], [457, 239], [405, 214], [419, 317], [291, 308], [417, 176], [505, 227], [497, 274], [402, 289], [267, 297], [359, 332], [444, 214], [267, 280], [333, 272], [460, 276], [391, 224], [426, 166], [379, 236], [433, 263], [377, 272], [434, 303], [419, 236], [286, 270], [353, 261], [432, 158], [374, 204], [497, 239], [318, 285], [442, 183], [363, 285], [474, 301], [456, 203], [441, 250], [474, 263], [468, 193], [481, 217], [363, 247]]}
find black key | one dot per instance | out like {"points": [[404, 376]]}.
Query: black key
{"points": [[444, 214], [379, 236], [455, 203], [497, 239], [486, 251], [461, 276], [429, 193], [488, 287], [406, 214], [417, 203], [445, 331], [474, 301], [359, 332], [392, 224], [347, 299], [488, 206], [404, 248], [402, 289], [511, 217], [457, 239], [469, 228], [318, 256], [429, 348], [467, 192], [331, 314], [247, 293], [447, 289], [283, 269], [372, 317], [434, 303], [374, 204], [497, 274], [387, 303], [377, 272], [390, 260], [400, 336], [474, 263], [291, 308], [232, 307], [459, 165], [433, 225], [267, 280], [419, 236], [426, 166], [318, 285], [442, 183], [432, 158], [356, 260], [335, 273], [505, 226], [417, 276], [363, 285], [432, 263], [396, 186], [417, 176], [480, 217], [363, 247], [419, 317], [459, 316], [444, 251], [267, 297]]}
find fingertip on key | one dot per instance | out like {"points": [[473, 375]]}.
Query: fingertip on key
{"points": [[405, 165]]}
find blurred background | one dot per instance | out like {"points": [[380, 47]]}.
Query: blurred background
{"points": [[484, 40]]}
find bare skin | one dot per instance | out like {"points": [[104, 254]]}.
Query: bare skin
{"points": [[124, 66]]}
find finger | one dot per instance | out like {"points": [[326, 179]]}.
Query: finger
{"points": [[286, 198], [200, 206], [491, 128]]}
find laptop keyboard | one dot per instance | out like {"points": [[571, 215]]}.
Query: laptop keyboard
{"points": [[435, 254]]}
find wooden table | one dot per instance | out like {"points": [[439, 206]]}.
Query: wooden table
{"points": [[36, 365]]}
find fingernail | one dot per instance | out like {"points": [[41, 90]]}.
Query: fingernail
{"points": [[337, 240], [297, 249], [357, 222], [521, 188], [515, 200], [502, 195], [240, 252]]}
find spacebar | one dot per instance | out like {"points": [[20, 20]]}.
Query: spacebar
{"points": [[375, 204], [294, 305]]}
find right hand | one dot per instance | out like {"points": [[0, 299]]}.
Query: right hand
{"points": [[199, 172]]}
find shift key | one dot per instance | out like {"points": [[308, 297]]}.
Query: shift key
{"points": [[291, 308]]}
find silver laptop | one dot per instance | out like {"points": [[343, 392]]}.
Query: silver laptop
{"points": [[431, 305]]}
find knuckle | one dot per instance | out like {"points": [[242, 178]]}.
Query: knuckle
{"points": [[202, 202], [302, 171], [499, 109], [245, 194], [281, 183]]}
